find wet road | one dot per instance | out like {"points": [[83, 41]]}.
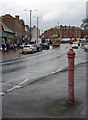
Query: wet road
{"points": [[38, 64]]}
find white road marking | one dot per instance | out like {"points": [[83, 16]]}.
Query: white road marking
{"points": [[20, 84], [61, 68], [17, 86], [2, 93], [23, 82]]}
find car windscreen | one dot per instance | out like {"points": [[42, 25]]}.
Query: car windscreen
{"points": [[27, 46], [45, 44]]}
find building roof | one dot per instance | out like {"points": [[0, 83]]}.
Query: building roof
{"points": [[85, 19], [67, 27], [6, 29]]}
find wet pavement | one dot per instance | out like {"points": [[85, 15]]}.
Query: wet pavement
{"points": [[47, 98], [35, 86], [35, 65], [10, 55]]}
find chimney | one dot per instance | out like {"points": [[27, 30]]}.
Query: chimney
{"points": [[73, 27], [17, 17], [61, 26], [65, 26]]}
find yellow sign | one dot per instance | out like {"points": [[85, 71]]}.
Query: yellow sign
{"points": [[78, 39], [55, 35]]}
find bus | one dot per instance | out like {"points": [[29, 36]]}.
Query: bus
{"points": [[56, 42]]}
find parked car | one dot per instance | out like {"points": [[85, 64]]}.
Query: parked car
{"points": [[35, 47], [78, 43], [71, 41], [21, 46], [86, 46], [39, 47], [28, 49], [75, 45], [45, 46]]}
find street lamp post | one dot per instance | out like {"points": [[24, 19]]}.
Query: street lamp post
{"points": [[37, 27], [30, 25], [30, 21]]}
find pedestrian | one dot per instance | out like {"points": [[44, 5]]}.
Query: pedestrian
{"points": [[11, 46], [7, 46], [14, 46], [3, 47]]}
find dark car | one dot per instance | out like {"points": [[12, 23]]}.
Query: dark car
{"points": [[39, 47], [45, 46]]}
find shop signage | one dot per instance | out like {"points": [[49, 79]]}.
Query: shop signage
{"points": [[3, 34], [10, 36], [55, 35]]}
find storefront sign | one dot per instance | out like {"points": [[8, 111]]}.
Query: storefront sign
{"points": [[55, 35], [3, 34], [10, 36]]}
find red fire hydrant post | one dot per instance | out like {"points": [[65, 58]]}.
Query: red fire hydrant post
{"points": [[71, 56]]}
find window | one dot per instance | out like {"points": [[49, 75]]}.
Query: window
{"points": [[64, 36], [55, 32], [72, 31], [72, 36], [78, 36], [78, 31], [64, 31], [68, 31]]}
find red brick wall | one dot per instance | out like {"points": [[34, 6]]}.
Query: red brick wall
{"points": [[63, 33], [14, 24]]}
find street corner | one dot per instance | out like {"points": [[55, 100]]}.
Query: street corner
{"points": [[60, 107]]}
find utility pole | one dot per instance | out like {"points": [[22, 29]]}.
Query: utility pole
{"points": [[30, 25], [37, 30], [30, 21]]}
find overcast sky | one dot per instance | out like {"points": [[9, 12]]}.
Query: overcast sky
{"points": [[66, 12]]}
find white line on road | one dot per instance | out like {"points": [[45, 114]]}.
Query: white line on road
{"points": [[19, 85], [2, 93], [45, 75]]}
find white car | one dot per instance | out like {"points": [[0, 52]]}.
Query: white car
{"points": [[28, 49], [86, 46], [75, 45]]}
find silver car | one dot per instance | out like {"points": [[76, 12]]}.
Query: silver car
{"points": [[28, 49], [86, 46]]}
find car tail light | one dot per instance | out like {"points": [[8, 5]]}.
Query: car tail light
{"points": [[30, 48]]}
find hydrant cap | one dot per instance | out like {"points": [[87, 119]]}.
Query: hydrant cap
{"points": [[71, 52]]}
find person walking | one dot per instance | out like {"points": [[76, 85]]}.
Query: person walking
{"points": [[14, 46], [3, 47], [7, 47]]}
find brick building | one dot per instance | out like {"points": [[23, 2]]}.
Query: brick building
{"points": [[62, 32], [6, 35], [34, 34], [16, 25]]}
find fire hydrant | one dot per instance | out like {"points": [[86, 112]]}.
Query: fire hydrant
{"points": [[71, 56]]}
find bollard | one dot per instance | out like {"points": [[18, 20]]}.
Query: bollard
{"points": [[71, 55]]}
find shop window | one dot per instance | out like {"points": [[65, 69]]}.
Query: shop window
{"points": [[72, 31], [68, 31], [64, 31]]}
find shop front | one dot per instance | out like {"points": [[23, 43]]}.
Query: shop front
{"points": [[3, 37], [10, 39]]}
